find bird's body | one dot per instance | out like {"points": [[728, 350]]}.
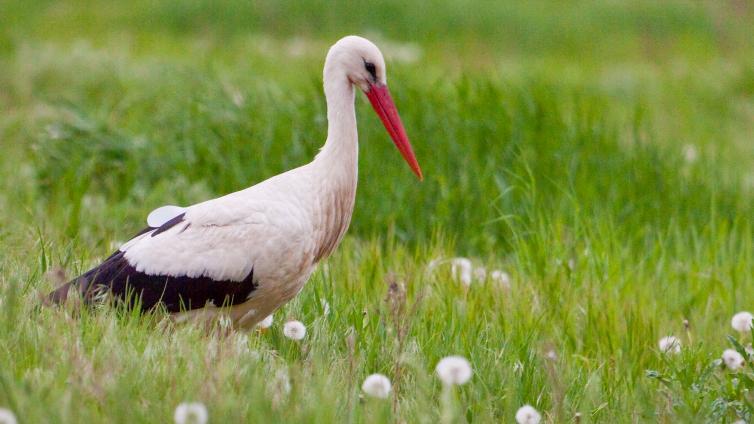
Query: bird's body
{"points": [[249, 252]]}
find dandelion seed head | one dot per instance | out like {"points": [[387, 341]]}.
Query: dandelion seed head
{"points": [[551, 355], [377, 385], [528, 415], [191, 413], [733, 360], [741, 322], [294, 330], [453, 370], [461, 270], [265, 323], [7, 416], [669, 344]]}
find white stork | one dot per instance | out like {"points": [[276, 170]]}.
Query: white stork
{"points": [[246, 254]]}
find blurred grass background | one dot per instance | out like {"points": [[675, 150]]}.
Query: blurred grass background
{"points": [[615, 136]]}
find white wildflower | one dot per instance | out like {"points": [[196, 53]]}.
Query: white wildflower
{"points": [[453, 370], [528, 415], [669, 344], [377, 385], [7, 416], [741, 322], [501, 277], [733, 360], [461, 270], [191, 413], [294, 330], [265, 323]]}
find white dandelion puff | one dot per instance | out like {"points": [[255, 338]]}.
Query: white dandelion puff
{"points": [[7, 416], [294, 330], [191, 413], [733, 360], [741, 322], [501, 277], [453, 370], [265, 323], [528, 415], [669, 344], [461, 270], [377, 385]]}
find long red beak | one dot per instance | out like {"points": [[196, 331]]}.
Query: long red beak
{"points": [[379, 96]]}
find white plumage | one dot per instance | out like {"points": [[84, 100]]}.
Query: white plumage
{"points": [[163, 214], [276, 231]]}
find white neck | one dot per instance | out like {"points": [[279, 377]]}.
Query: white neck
{"points": [[341, 150], [336, 165]]}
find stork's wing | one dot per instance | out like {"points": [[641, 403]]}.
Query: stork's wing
{"points": [[215, 251], [209, 253], [163, 214], [178, 265]]}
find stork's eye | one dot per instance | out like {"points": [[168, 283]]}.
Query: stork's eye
{"points": [[371, 69]]}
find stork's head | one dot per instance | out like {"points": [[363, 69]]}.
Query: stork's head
{"points": [[359, 61]]}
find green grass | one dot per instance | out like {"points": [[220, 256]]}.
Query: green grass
{"points": [[556, 141]]}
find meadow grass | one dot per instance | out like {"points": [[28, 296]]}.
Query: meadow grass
{"points": [[599, 153]]}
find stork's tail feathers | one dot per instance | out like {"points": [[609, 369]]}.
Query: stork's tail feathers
{"points": [[60, 295]]}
